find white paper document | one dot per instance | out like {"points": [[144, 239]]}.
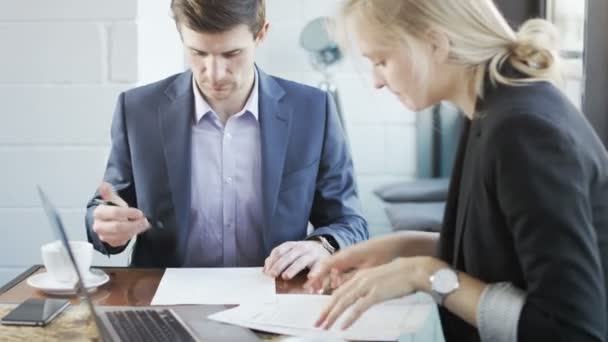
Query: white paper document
{"points": [[296, 315], [214, 286]]}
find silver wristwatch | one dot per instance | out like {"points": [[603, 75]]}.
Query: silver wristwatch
{"points": [[443, 282]]}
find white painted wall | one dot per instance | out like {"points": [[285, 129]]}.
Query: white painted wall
{"points": [[62, 66], [159, 45], [382, 133]]}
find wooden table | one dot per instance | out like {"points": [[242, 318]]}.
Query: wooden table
{"points": [[131, 287], [127, 287]]}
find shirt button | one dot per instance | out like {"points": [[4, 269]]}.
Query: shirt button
{"points": [[228, 136], [228, 180]]}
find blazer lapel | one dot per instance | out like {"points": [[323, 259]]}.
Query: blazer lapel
{"points": [[175, 117], [448, 230], [275, 118], [466, 182]]}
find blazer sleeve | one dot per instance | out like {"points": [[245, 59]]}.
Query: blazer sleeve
{"points": [[542, 179], [336, 210], [118, 173]]}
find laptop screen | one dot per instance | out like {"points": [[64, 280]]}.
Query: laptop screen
{"points": [[60, 233]]}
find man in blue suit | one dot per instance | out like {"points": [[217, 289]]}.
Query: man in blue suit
{"points": [[224, 165]]}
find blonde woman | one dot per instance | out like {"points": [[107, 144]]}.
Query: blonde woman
{"points": [[523, 252]]}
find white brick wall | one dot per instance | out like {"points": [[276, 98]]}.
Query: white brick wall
{"points": [[57, 114], [69, 173], [62, 66], [29, 230], [67, 10], [42, 53], [123, 52]]}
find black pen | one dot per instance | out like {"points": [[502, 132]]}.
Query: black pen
{"points": [[153, 223]]}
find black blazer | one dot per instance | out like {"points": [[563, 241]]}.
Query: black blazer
{"points": [[528, 204]]}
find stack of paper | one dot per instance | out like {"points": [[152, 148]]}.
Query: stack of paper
{"points": [[296, 314], [212, 286], [260, 308]]}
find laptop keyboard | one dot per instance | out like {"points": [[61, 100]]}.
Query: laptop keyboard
{"points": [[148, 325]]}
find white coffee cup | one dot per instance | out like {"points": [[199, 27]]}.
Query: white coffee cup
{"points": [[57, 263]]}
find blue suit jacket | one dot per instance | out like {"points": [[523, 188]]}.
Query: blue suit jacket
{"points": [[307, 171]]}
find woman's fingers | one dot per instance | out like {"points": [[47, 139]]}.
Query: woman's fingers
{"points": [[336, 279], [341, 262], [342, 298], [360, 306]]}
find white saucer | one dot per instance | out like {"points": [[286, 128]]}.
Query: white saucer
{"points": [[45, 283]]}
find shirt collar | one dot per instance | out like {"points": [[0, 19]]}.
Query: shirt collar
{"points": [[202, 108]]}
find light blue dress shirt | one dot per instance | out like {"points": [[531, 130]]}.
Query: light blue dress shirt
{"points": [[226, 197]]}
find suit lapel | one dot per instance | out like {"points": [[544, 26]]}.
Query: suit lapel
{"points": [[275, 118], [175, 117]]}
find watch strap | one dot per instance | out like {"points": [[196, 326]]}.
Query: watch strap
{"points": [[324, 242]]}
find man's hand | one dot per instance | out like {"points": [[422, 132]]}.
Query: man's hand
{"points": [[116, 225], [291, 257]]}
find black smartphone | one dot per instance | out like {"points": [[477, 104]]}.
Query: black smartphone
{"points": [[35, 312]]}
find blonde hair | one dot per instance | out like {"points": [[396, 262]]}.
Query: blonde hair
{"points": [[479, 36]]}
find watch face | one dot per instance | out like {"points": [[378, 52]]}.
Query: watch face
{"points": [[445, 281]]}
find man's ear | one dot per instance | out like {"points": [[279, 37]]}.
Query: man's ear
{"points": [[440, 45], [261, 35]]}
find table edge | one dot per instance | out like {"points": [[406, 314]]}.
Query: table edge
{"points": [[19, 278]]}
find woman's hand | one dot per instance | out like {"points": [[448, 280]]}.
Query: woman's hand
{"points": [[343, 265], [367, 287]]}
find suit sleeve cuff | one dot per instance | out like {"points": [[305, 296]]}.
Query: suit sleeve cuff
{"points": [[498, 312], [115, 250]]}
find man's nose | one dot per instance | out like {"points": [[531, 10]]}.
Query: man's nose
{"points": [[216, 69]]}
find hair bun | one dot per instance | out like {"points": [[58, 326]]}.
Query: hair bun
{"points": [[536, 45]]}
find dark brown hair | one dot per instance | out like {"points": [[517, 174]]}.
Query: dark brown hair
{"points": [[214, 16]]}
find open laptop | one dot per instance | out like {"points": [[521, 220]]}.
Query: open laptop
{"points": [[132, 324]]}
